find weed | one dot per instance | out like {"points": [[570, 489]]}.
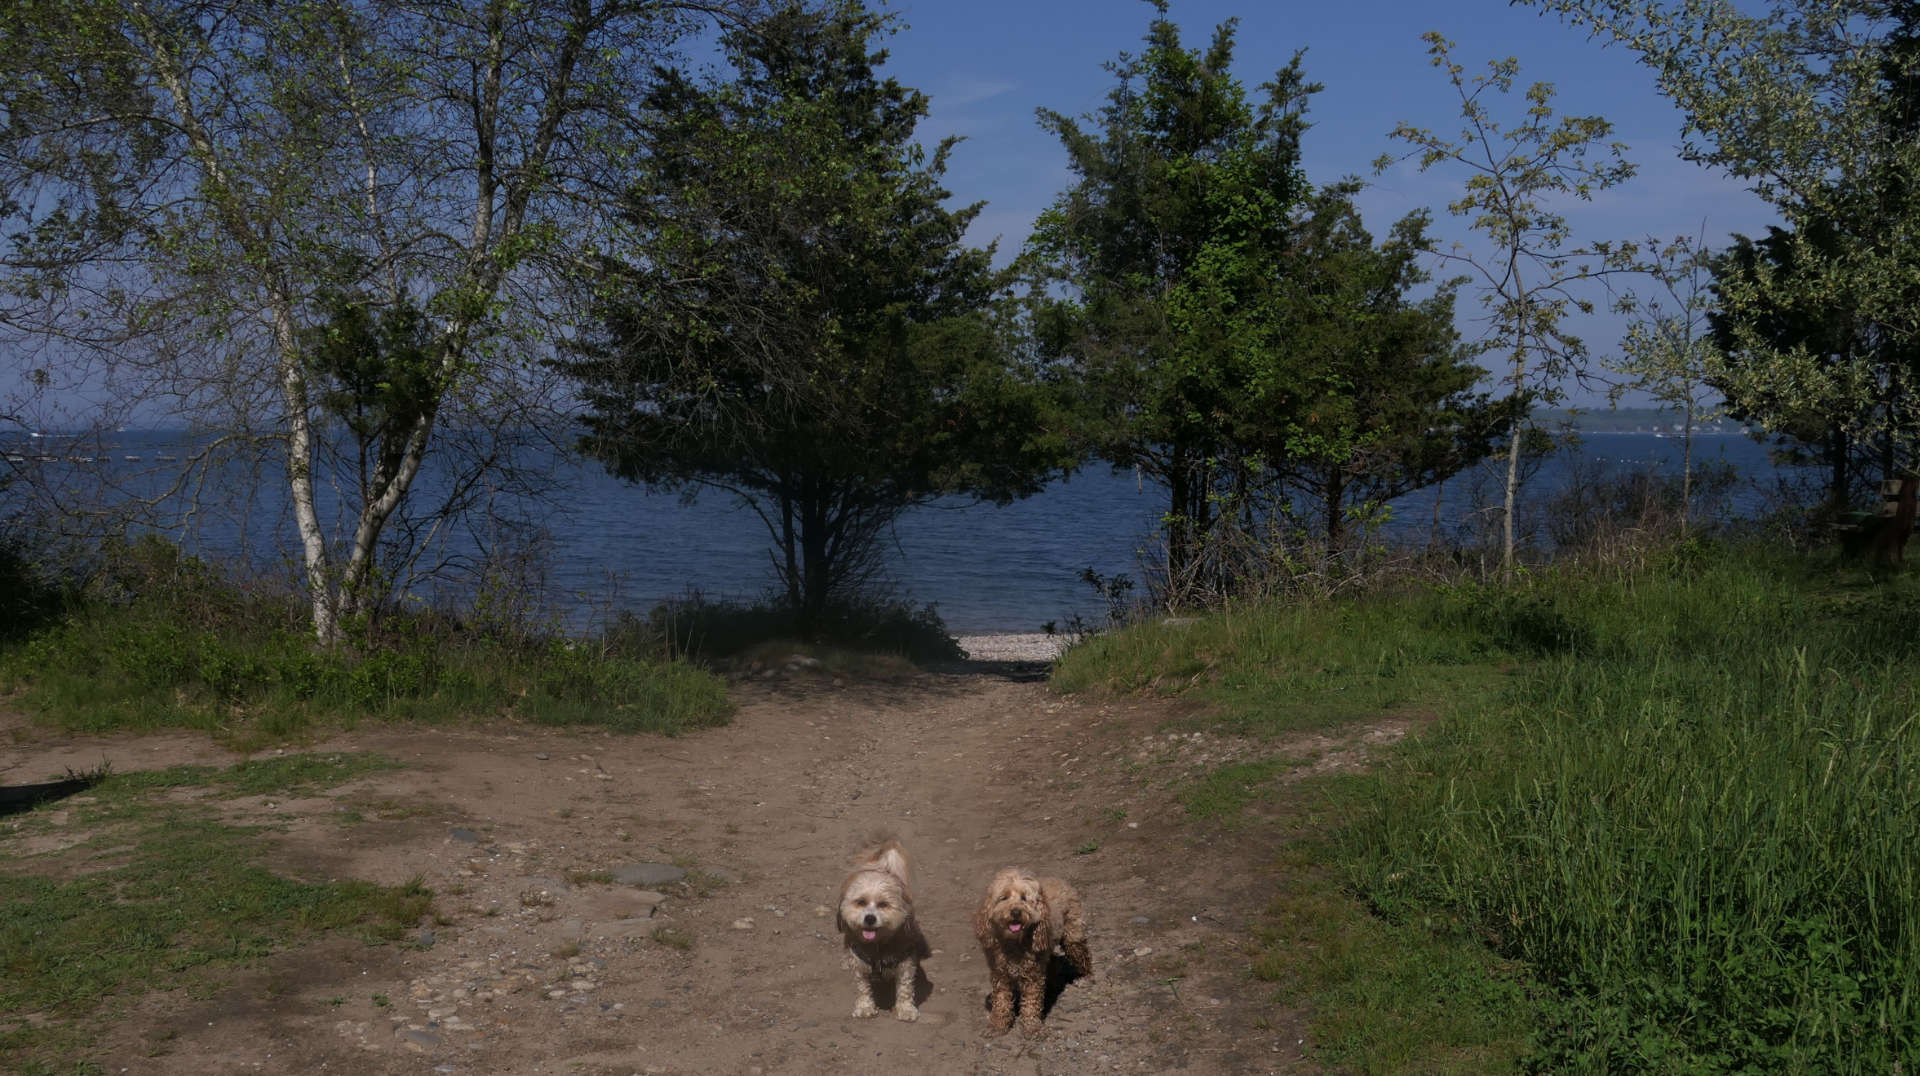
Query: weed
{"points": [[673, 937]]}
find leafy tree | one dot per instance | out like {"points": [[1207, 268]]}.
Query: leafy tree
{"points": [[797, 321], [1669, 352], [1810, 422], [189, 184], [1816, 105], [1386, 391], [1530, 279], [1155, 270]]}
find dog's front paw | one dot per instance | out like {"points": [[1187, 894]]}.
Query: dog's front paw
{"points": [[1032, 1029], [906, 1011], [864, 1008]]}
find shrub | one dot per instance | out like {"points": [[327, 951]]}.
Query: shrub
{"points": [[158, 639], [710, 630]]}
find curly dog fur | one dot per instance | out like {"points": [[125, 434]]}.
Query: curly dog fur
{"points": [[1018, 924], [883, 938]]}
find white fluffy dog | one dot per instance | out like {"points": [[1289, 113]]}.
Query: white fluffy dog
{"points": [[884, 943]]}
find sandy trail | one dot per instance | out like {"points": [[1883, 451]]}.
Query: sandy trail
{"points": [[546, 966]]}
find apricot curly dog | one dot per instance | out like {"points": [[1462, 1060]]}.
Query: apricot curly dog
{"points": [[1018, 924]]}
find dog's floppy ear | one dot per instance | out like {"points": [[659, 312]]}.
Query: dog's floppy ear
{"points": [[982, 929], [1040, 935]]}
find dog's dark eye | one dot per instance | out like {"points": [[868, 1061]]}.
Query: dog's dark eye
{"points": [[860, 902], [880, 904]]}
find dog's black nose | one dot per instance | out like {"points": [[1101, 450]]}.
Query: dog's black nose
{"points": [[871, 919]]}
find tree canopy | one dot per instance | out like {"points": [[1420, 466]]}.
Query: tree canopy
{"points": [[192, 189], [1166, 246], [796, 319], [1816, 105], [1235, 331], [1387, 399]]}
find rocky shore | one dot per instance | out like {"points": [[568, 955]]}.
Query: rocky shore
{"points": [[1033, 646]]}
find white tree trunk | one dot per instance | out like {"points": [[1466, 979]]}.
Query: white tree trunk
{"points": [[1513, 464], [306, 513]]}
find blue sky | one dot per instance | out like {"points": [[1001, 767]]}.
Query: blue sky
{"points": [[988, 64]]}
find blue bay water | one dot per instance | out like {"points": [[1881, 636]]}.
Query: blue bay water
{"points": [[615, 547]]}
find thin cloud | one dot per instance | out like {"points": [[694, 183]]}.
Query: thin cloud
{"points": [[971, 91]]}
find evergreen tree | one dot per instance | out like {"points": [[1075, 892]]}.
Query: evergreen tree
{"points": [[1385, 390], [797, 321], [1166, 245]]}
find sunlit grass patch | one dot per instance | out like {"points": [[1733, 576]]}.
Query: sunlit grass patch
{"points": [[160, 894]]}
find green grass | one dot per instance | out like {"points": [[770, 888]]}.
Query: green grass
{"points": [[160, 642], [285, 774], [1698, 821], [1266, 670], [1221, 796], [1678, 804], [161, 894], [1417, 995]]}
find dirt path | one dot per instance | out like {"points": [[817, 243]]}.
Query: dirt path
{"points": [[547, 966]]}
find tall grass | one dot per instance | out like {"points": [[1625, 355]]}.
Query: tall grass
{"points": [[157, 640], [1682, 789], [1268, 668], [1696, 813]]}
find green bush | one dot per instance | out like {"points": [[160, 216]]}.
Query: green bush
{"points": [[712, 630], [157, 639]]}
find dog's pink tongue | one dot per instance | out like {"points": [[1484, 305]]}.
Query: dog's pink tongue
{"points": [[869, 935], [1013, 928]]}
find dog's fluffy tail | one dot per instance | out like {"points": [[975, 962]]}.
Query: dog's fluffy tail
{"points": [[887, 856]]}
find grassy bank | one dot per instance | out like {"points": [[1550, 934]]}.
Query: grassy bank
{"points": [[1678, 802], [157, 640], [138, 885]]}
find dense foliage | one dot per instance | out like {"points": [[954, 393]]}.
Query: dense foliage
{"points": [[1815, 105], [1235, 333], [796, 320]]}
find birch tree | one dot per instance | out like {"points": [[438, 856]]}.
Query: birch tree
{"points": [[1517, 174], [194, 186]]}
